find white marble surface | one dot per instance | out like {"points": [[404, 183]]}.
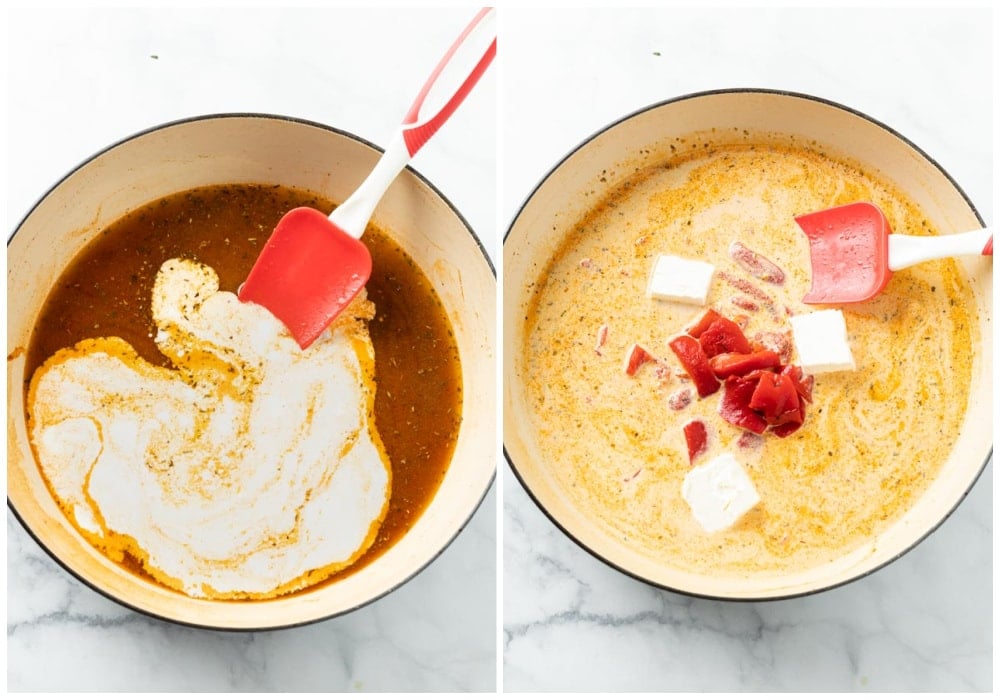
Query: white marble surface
{"points": [[923, 623], [80, 80]]}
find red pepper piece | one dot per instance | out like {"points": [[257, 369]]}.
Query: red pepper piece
{"points": [[803, 383], [723, 336], [636, 357], [602, 338], [680, 399], [777, 399], [697, 439], [741, 363], [692, 357], [749, 441], [745, 303], [735, 404], [780, 343], [748, 288], [704, 321], [788, 428], [806, 388], [756, 264]]}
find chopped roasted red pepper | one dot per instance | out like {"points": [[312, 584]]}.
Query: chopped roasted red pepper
{"points": [[789, 428], [803, 384], [749, 441], [747, 287], [735, 404], [635, 358], [723, 336], [680, 399], [704, 321], [780, 343], [756, 264], [692, 357], [777, 399], [697, 439], [806, 388], [602, 338], [741, 363], [760, 392]]}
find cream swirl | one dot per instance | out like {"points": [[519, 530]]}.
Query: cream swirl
{"points": [[250, 469]]}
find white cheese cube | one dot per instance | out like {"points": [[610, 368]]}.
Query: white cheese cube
{"points": [[821, 341], [680, 279], [719, 493]]}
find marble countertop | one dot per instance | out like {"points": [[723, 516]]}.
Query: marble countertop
{"points": [[80, 80], [571, 623]]}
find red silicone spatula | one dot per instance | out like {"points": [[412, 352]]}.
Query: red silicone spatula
{"points": [[313, 265], [854, 253]]}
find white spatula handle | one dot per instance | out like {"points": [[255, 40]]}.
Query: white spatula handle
{"points": [[446, 88], [909, 250]]}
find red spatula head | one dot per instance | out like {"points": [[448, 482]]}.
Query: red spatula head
{"points": [[849, 253], [308, 272]]}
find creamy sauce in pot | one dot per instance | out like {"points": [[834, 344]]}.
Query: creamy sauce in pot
{"points": [[872, 440], [253, 467], [392, 364]]}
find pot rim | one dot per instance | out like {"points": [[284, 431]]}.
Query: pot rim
{"points": [[697, 95], [250, 115], [726, 91], [186, 623]]}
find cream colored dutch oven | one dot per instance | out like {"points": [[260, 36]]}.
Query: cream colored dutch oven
{"points": [[266, 149], [576, 185]]}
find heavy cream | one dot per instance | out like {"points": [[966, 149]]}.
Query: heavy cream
{"points": [[251, 469]]}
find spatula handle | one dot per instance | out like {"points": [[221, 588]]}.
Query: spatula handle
{"points": [[452, 80], [905, 251]]}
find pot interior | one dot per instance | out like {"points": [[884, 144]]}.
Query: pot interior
{"points": [[256, 149], [586, 177]]}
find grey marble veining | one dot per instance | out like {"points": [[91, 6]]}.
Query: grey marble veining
{"points": [[436, 633], [922, 623], [82, 79]]}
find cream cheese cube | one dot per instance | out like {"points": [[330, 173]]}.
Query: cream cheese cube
{"points": [[680, 279], [719, 492], [821, 341]]}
